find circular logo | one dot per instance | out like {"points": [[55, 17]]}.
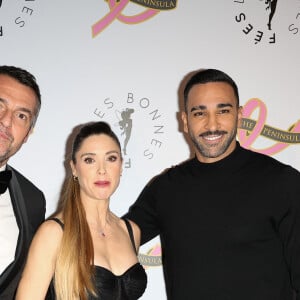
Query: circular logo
{"points": [[15, 15], [138, 124], [267, 21]]}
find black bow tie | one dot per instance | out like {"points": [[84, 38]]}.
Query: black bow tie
{"points": [[5, 177]]}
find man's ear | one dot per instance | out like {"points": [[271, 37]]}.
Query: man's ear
{"points": [[240, 116], [30, 131], [184, 121]]}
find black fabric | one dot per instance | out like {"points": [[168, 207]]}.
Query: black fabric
{"points": [[128, 286], [29, 207], [5, 177], [229, 230], [58, 221], [130, 231]]}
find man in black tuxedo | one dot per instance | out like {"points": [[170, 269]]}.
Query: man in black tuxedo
{"points": [[22, 205]]}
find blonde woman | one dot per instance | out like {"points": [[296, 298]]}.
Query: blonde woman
{"points": [[86, 252]]}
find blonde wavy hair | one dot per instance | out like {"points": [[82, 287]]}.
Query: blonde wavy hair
{"points": [[73, 276]]}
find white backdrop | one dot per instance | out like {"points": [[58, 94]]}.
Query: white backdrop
{"points": [[135, 59]]}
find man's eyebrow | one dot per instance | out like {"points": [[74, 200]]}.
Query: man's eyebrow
{"points": [[20, 108], [26, 110], [221, 105], [203, 107], [199, 107]]}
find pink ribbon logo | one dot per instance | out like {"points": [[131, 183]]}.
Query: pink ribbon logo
{"points": [[116, 9], [247, 139]]}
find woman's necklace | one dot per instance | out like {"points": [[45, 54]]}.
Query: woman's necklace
{"points": [[101, 232]]}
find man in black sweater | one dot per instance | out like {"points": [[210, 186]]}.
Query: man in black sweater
{"points": [[228, 219]]}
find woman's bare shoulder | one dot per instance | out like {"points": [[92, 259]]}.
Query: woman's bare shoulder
{"points": [[50, 231]]}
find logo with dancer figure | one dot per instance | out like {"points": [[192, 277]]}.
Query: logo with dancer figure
{"points": [[125, 125], [138, 124], [271, 6], [266, 21]]}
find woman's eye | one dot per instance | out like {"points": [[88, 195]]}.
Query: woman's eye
{"points": [[112, 158], [88, 160]]}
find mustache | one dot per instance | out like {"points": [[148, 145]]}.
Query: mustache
{"points": [[208, 133], [5, 132]]}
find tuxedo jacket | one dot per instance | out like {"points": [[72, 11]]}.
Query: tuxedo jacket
{"points": [[29, 207]]}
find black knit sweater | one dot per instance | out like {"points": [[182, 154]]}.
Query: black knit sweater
{"points": [[230, 230]]}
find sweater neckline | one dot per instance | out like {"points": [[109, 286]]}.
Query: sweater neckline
{"points": [[231, 161]]}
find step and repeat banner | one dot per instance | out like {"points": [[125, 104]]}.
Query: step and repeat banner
{"points": [[123, 62]]}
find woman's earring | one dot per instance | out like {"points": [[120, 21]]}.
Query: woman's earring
{"points": [[75, 178]]}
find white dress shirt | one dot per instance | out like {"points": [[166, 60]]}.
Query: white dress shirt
{"points": [[9, 230]]}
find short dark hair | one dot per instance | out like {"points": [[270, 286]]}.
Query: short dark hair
{"points": [[27, 79], [206, 76], [92, 128]]}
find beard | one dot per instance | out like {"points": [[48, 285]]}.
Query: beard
{"points": [[213, 150]]}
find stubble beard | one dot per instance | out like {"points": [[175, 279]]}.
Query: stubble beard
{"points": [[4, 155], [214, 150]]}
